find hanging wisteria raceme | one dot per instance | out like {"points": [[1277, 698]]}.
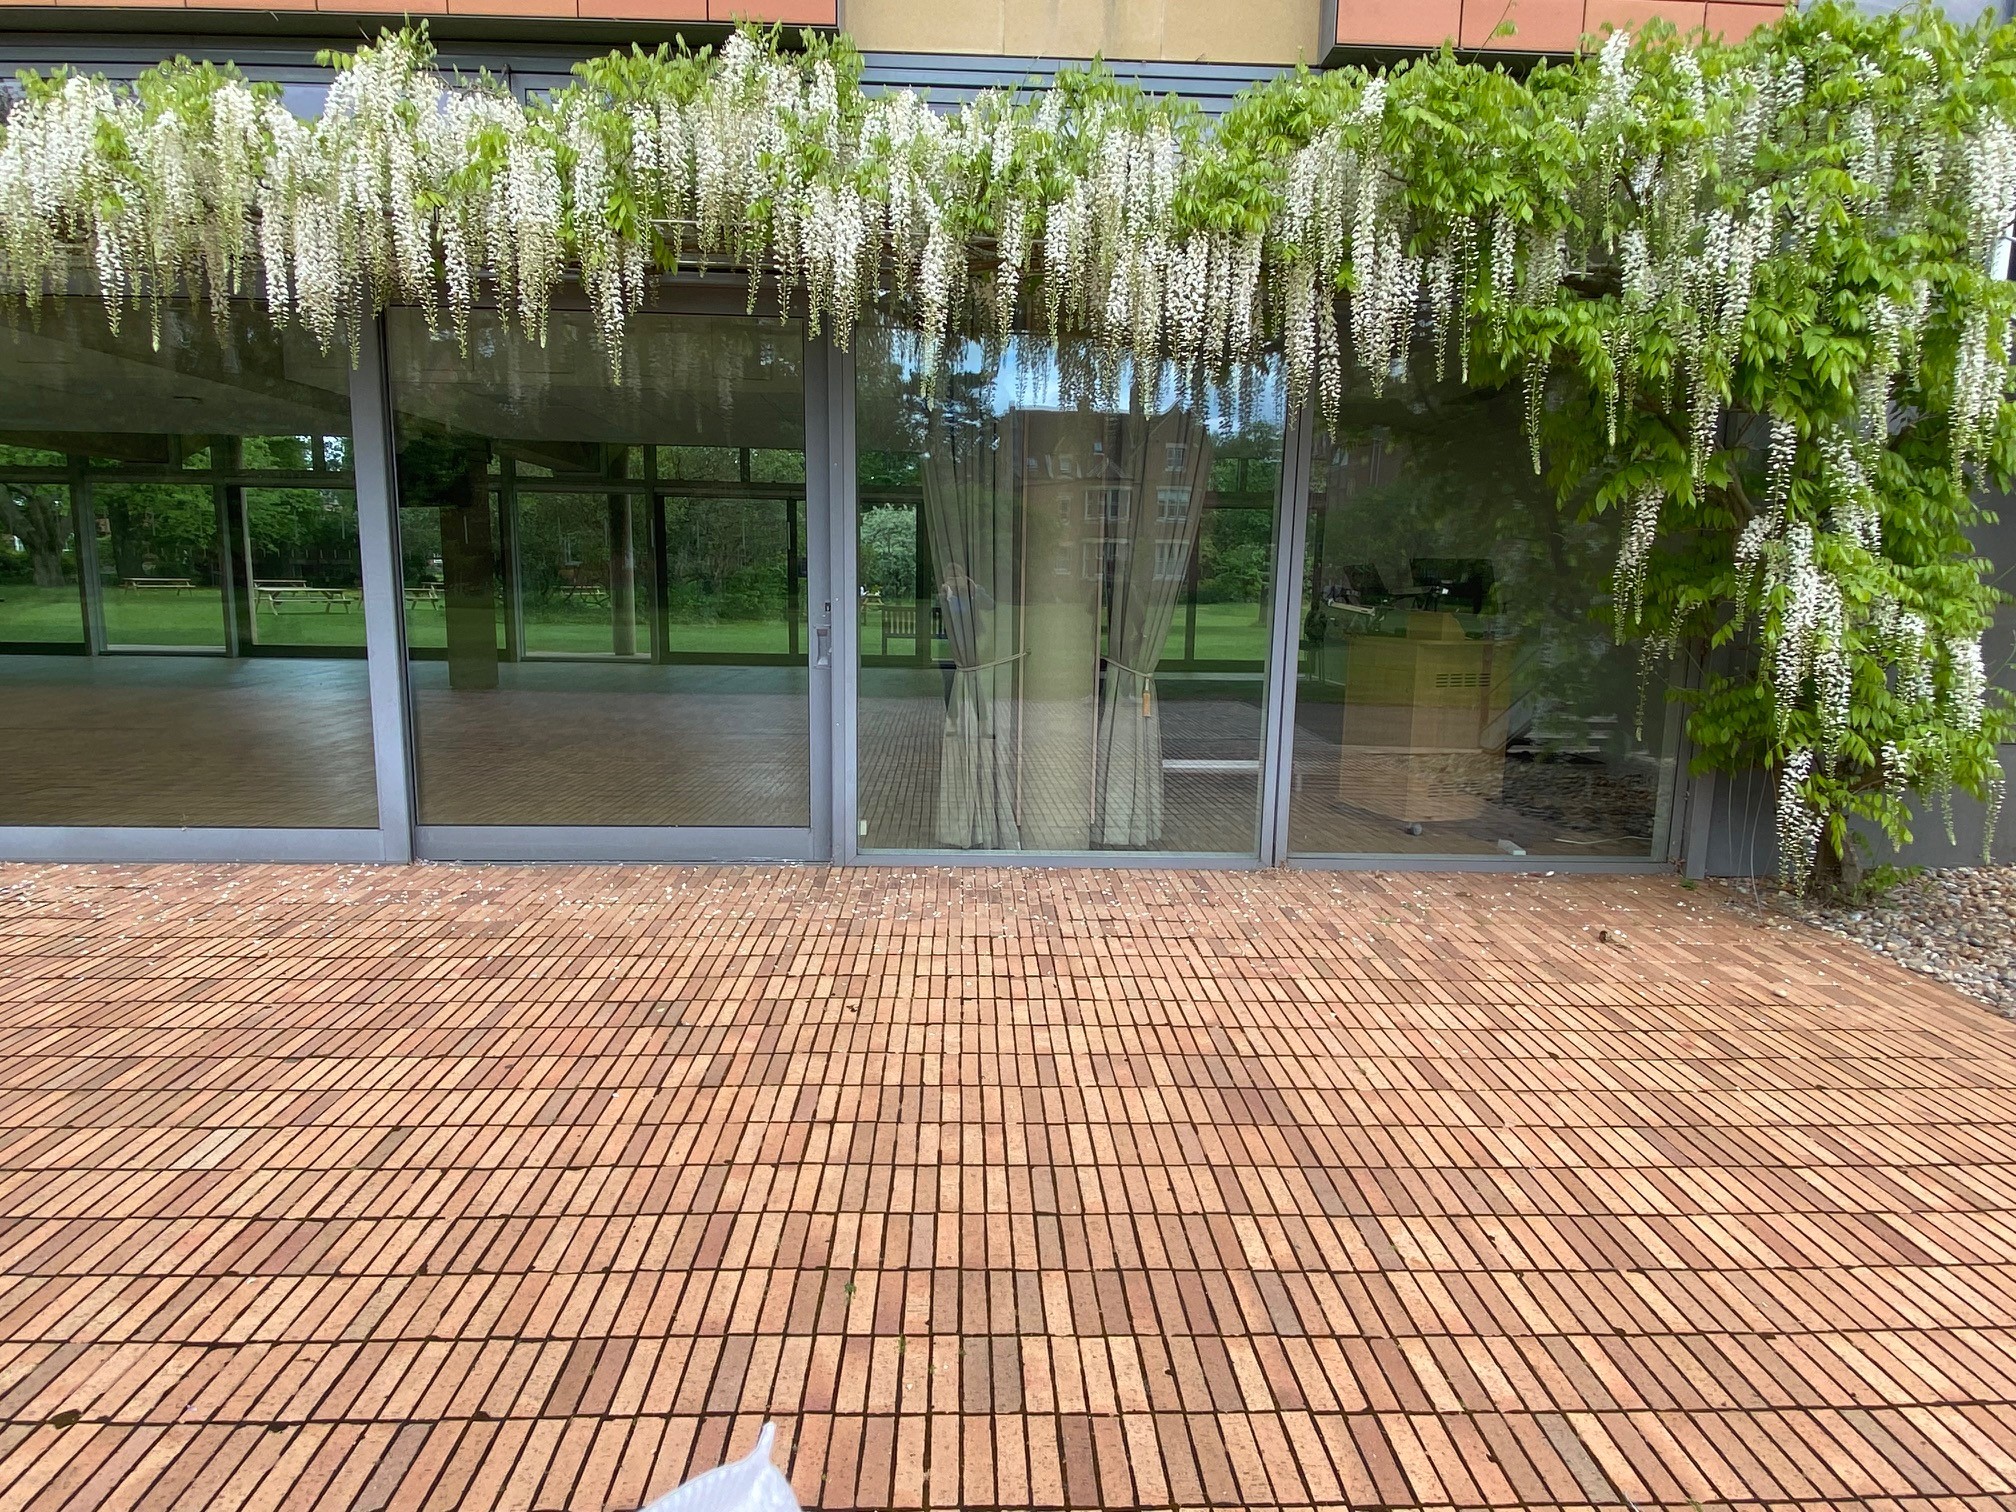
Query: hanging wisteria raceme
{"points": [[1745, 290]]}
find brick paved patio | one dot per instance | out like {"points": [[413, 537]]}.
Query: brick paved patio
{"points": [[354, 1188]]}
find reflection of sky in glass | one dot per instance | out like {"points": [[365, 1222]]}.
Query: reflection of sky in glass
{"points": [[304, 101], [1026, 377]]}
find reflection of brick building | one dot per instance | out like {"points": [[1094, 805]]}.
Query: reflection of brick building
{"points": [[1077, 467], [1092, 492]]}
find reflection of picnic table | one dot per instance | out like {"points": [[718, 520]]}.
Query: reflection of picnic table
{"points": [[899, 622], [576, 585], [160, 584], [279, 596]]}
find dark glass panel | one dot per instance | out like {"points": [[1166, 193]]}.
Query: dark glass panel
{"points": [[186, 521], [1460, 689], [603, 603], [1063, 631]]}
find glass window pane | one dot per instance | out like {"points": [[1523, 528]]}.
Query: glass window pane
{"points": [[307, 580], [578, 562], [200, 550], [1063, 624], [158, 561], [734, 568], [604, 617], [39, 597], [1459, 691]]}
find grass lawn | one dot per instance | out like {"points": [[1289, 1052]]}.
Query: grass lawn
{"points": [[159, 617], [153, 617], [1225, 632], [28, 613], [584, 629]]}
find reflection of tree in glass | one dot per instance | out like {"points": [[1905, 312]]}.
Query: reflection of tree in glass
{"points": [[38, 516], [1431, 490], [1235, 546], [889, 550], [159, 530], [306, 533], [727, 558], [435, 469]]}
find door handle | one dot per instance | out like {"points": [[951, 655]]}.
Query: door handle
{"points": [[822, 645]]}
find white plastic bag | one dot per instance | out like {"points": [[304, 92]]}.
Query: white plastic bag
{"points": [[749, 1484]]}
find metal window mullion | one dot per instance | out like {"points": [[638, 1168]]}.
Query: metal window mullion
{"points": [[1291, 521], [661, 563], [1697, 789], [84, 526], [234, 552], [840, 519], [513, 578], [384, 601], [815, 651]]}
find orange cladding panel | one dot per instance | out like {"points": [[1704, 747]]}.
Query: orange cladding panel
{"points": [[1734, 22], [1536, 25], [1379, 23], [792, 12], [1631, 15]]}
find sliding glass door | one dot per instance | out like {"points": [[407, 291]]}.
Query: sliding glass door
{"points": [[182, 639], [607, 588], [1064, 623], [1460, 691]]}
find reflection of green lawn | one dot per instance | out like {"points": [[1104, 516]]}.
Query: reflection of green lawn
{"points": [[28, 613], [152, 617], [713, 637], [164, 617], [311, 627], [160, 617], [1225, 632], [583, 630]]}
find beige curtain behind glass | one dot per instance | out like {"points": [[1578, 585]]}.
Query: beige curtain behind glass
{"points": [[1150, 568], [969, 511]]}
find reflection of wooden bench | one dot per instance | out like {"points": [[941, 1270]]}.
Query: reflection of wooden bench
{"points": [[575, 586], [280, 596], [161, 585], [899, 622]]}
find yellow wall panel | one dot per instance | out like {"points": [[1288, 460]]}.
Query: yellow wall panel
{"points": [[1215, 31]]}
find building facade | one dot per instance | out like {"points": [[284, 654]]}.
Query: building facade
{"points": [[765, 599]]}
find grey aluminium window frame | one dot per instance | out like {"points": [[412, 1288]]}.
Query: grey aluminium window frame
{"points": [[698, 295], [388, 842], [1292, 542], [829, 449], [832, 651], [384, 603]]}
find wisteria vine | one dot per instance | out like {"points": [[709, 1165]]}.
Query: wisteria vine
{"points": [[1748, 289]]}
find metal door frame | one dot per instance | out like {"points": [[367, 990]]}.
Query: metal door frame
{"points": [[404, 836]]}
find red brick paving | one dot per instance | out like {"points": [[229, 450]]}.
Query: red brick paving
{"points": [[514, 1188]]}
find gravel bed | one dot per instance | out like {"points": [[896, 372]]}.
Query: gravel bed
{"points": [[1958, 925]]}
